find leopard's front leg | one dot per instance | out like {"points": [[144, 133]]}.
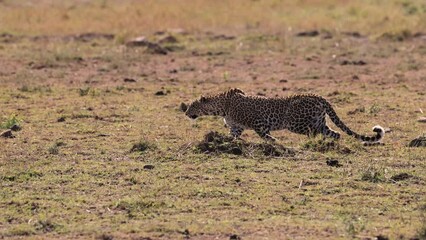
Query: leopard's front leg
{"points": [[265, 134], [236, 131]]}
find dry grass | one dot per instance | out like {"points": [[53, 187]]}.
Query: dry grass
{"points": [[131, 17]]}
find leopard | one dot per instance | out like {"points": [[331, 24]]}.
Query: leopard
{"points": [[300, 113]]}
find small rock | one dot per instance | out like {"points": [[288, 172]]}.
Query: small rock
{"points": [[129, 80], [160, 93], [183, 107], [236, 151], [148, 167], [177, 31], [313, 33], [333, 163], [61, 119], [347, 62], [327, 36], [381, 237], [422, 120], [353, 34], [401, 177], [283, 80], [234, 237], [167, 39], [15, 128], [7, 134], [355, 77], [222, 37], [105, 237], [136, 42], [152, 48]]}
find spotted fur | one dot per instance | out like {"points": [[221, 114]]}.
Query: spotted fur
{"points": [[303, 114]]}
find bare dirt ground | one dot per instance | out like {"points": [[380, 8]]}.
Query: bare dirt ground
{"points": [[106, 152]]}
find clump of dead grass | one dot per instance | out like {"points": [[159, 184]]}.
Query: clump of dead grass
{"points": [[142, 145], [217, 143], [372, 174]]}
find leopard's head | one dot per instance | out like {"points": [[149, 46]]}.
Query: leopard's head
{"points": [[200, 107], [212, 105]]}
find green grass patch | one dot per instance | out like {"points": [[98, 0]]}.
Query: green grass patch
{"points": [[11, 121]]}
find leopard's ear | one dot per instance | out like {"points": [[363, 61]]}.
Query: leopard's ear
{"points": [[237, 91], [203, 99]]}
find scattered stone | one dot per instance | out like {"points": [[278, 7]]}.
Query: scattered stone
{"points": [[272, 150], [142, 146], [151, 47], [61, 119], [418, 142], [355, 77], [422, 120], [105, 237], [419, 35], [38, 66], [381, 237], [7, 134], [86, 37], [397, 36], [160, 93], [15, 128], [185, 232], [148, 167], [356, 110], [327, 35], [129, 80], [183, 107], [177, 31], [401, 177], [234, 237], [222, 37], [8, 38], [358, 63], [334, 93], [313, 33], [173, 48], [216, 53], [353, 34], [333, 163], [167, 39], [137, 42], [283, 80]]}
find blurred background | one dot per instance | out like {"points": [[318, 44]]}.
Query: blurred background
{"points": [[133, 17]]}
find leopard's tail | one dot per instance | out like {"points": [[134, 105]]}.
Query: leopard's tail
{"points": [[380, 132]]}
